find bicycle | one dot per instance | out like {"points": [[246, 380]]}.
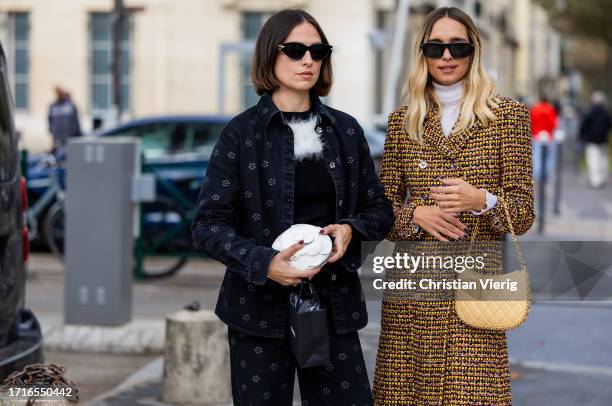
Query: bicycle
{"points": [[52, 202], [165, 244]]}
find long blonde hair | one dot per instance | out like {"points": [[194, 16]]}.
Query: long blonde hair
{"points": [[479, 96]]}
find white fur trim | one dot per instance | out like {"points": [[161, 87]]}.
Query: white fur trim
{"points": [[306, 141]]}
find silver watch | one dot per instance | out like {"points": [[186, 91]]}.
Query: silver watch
{"points": [[415, 229]]}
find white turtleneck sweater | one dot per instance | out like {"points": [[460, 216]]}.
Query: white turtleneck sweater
{"points": [[450, 100]]}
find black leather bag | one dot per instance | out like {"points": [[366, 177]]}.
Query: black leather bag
{"points": [[308, 327]]}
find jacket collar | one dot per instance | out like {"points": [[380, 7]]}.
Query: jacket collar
{"points": [[267, 109], [455, 141]]}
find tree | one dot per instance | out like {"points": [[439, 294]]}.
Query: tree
{"points": [[590, 18], [586, 19]]}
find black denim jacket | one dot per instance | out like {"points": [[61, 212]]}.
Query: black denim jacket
{"points": [[246, 201]]}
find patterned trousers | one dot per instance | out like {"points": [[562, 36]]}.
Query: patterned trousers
{"points": [[263, 371]]}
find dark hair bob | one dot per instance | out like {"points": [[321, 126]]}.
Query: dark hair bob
{"points": [[274, 32]]}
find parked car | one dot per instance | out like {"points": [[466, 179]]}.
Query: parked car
{"points": [[176, 148], [20, 334]]}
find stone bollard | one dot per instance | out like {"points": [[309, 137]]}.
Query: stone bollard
{"points": [[196, 359]]}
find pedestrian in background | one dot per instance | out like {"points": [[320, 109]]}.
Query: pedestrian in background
{"points": [[594, 132], [544, 122], [456, 155], [291, 159], [63, 119]]}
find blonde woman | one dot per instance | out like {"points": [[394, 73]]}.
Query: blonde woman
{"points": [[453, 154]]}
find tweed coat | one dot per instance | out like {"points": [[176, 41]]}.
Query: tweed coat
{"points": [[426, 354]]}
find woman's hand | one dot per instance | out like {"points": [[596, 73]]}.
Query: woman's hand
{"points": [[342, 234], [281, 270], [458, 196], [438, 223]]}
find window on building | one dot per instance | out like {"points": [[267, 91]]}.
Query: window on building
{"points": [[251, 25], [100, 74], [19, 58]]}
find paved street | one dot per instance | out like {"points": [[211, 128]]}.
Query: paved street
{"points": [[563, 352], [585, 213], [551, 366]]}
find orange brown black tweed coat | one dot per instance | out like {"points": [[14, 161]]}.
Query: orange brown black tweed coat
{"points": [[426, 355]]}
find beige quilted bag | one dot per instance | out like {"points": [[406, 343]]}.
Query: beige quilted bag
{"points": [[494, 309]]}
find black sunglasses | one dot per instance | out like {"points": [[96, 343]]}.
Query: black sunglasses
{"points": [[435, 50], [296, 50]]}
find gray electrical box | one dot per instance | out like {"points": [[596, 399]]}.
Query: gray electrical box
{"points": [[100, 222]]}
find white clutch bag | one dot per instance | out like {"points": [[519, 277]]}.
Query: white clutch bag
{"points": [[316, 250]]}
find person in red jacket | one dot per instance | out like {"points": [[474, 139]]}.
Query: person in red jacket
{"points": [[543, 125]]}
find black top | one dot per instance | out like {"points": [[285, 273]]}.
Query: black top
{"points": [[298, 115], [315, 195]]}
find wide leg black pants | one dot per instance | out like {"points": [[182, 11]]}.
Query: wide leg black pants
{"points": [[263, 372]]}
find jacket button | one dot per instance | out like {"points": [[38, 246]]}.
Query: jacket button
{"points": [[332, 165], [333, 277]]}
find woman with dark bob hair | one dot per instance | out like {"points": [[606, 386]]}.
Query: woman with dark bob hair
{"points": [[291, 160]]}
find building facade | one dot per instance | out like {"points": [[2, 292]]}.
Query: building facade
{"points": [[193, 56]]}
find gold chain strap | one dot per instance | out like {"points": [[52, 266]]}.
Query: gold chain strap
{"points": [[517, 247]]}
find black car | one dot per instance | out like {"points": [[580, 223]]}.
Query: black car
{"points": [[20, 336]]}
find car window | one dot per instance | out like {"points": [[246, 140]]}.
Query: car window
{"points": [[129, 132], [204, 135], [178, 139], [155, 139], [161, 139]]}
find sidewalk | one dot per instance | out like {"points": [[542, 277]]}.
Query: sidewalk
{"points": [[551, 368], [100, 358], [585, 213], [555, 365]]}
